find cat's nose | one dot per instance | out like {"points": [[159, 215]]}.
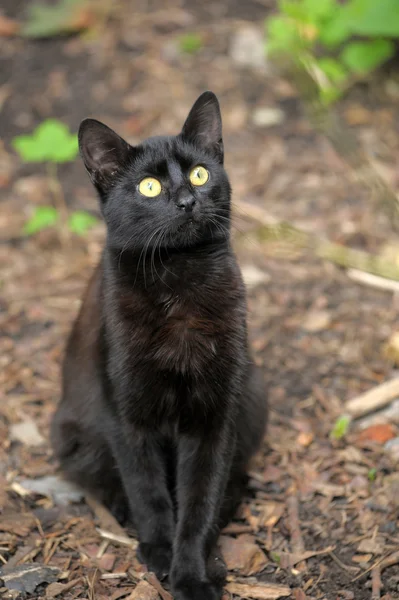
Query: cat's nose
{"points": [[186, 203]]}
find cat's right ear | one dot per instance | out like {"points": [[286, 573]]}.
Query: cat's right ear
{"points": [[103, 151]]}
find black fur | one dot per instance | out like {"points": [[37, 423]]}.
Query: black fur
{"points": [[162, 406]]}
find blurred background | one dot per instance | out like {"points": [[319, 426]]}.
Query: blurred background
{"points": [[309, 92]]}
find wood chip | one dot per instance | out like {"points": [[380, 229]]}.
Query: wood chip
{"points": [[18, 524], [58, 589], [259, 591], [119, 539], [143, 591]]}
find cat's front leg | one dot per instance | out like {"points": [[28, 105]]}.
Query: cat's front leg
{"points": [[204, 463], [142, 467]]}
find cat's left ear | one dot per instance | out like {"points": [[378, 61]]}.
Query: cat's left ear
{"points": [[203, 125], [103, 151]]}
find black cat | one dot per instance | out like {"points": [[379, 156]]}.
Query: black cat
{"points": [[162, 406]]}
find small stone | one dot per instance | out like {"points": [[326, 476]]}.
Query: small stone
{"points": [[247, 47], [267, 116], [27, 433], [392, 446], [253, 276], [26, 578], [171, 51], [316, 320], [62, 492]]}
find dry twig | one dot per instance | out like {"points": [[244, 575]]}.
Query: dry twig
{"points": [[374, 399], [376, 583], [297, 544]]}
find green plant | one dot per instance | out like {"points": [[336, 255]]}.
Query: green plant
{"points": [[372, 474], [335, 41], [52, 142], [190, 43], [341, 427]]}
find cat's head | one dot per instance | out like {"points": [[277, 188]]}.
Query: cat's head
{"points": [[166, 192]]}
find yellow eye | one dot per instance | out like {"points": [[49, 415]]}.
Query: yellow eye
{"points": [[150, 187], [199, 175]]}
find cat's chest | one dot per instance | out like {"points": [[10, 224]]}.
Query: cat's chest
{"points": [[185, 338]]}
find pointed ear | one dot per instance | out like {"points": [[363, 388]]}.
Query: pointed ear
{"points": [[203, 125], [103, 151]]}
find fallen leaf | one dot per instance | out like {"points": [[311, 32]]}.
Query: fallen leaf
{"points": [[299, 594], [143, 591], [328, 489], [8, 27], [27, 433], [243, 554], [66, 16], [371, 545], [362, 558], [107, 561], [26, 578], [287, 560], [270, 513], [18, 524], [379, 433], [58, 589], [259, 591]]}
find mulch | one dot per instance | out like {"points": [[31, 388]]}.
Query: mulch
{"points": [[320, 519]]}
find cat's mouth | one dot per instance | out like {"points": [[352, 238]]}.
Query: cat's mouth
{"points": [[188, 223]]}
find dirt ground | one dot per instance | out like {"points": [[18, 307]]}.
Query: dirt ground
{"points": [[321, 516]]}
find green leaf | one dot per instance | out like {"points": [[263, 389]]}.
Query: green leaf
{"points": [[42, 218], [334, 70], [293, 9], [336, 30], [80, 221], [45, 20], [51, 141], [375, 19], [275, 556], [190, 43], [341, 427], [318, 10], [282, 35], [372, 474], [329, 95], [363, 57]]}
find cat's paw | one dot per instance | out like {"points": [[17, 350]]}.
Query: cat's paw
{"points": [[190, 589], [216, 568], [156, 557]]}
